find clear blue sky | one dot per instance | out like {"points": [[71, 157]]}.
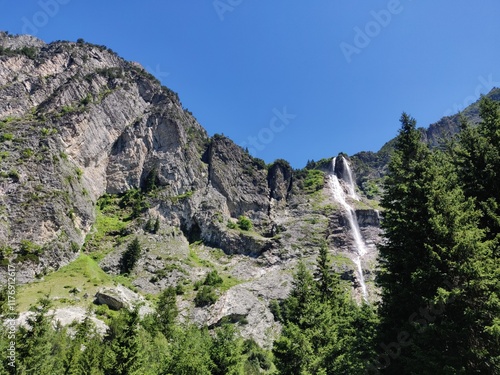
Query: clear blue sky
{"points": [[300, 79]]}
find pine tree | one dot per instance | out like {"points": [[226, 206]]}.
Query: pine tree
{"points": [[86, 337], [432, 265], [166, 311], [123, 354], [326, 282], [130, 256], [226, 351], [190, 353], [33, 342], [477, 157], [156, 226], [402, 253], [322, 326]]}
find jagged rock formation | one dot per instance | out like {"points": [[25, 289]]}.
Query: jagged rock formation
{"points": [[93, 147]]}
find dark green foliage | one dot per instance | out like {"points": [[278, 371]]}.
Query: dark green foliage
{"points": [[258, 359], [130, 256], [244, 223], [281, 163], [152, 227], [30, 52], [123, 353], [28, 251], [324, 332], [324, 164], [205, 296], [6, 137], [370, 188], [206, 293], [166, 311], [212, 278], [226, 351], [135, 200], [132, 346], [156, 226], [437, 271], [34, 344], [314, 181], [190, 353], [259, 163], [151, 182], [149, 226]]}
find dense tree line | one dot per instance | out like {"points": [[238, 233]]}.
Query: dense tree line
{"points": [[154, 345]]}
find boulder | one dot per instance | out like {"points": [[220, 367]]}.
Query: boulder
{"points": [[120, 297]]}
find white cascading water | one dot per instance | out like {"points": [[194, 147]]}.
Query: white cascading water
{"points": [[339, 194]]}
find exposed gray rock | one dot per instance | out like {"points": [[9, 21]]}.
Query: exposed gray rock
{"points": [[121, 297], [368, 217], [66, 316]]}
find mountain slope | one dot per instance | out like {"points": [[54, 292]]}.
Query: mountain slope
{"points": [[96, 153]]}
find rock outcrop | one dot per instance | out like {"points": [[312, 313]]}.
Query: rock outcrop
{"points": [[119, 297]]}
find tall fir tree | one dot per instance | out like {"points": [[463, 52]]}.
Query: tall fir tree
{"points": [[34, 342], [402, 253], [226, 351], [432, 265], [130, 256], [123, 354], [477, 158], [166, 311], [324, 331]]}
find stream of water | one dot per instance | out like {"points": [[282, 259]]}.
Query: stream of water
{"points": [[342, 191]]}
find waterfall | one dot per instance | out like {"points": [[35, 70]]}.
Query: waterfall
{"points": [[339, 194]]}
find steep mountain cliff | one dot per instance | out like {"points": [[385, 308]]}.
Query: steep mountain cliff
{"points": [[95, 153]]}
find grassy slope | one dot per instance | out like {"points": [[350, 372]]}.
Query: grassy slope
{"points": [[84, 273]]}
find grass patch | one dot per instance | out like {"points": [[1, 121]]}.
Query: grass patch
{"points": [[181, 197], [194, 259], [107, 226], [340, 260], [228, 282], [84, 273], [367, 205]]}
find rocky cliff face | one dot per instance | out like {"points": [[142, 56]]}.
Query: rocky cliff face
{"points": [[94, 150]]}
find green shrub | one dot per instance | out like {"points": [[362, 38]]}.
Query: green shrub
{"points": [[7, 137], [79, 174], [67, 109], [213, 278], [205, 296], [244, 223], [27, 153], [86, 100], [314, 181]]}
